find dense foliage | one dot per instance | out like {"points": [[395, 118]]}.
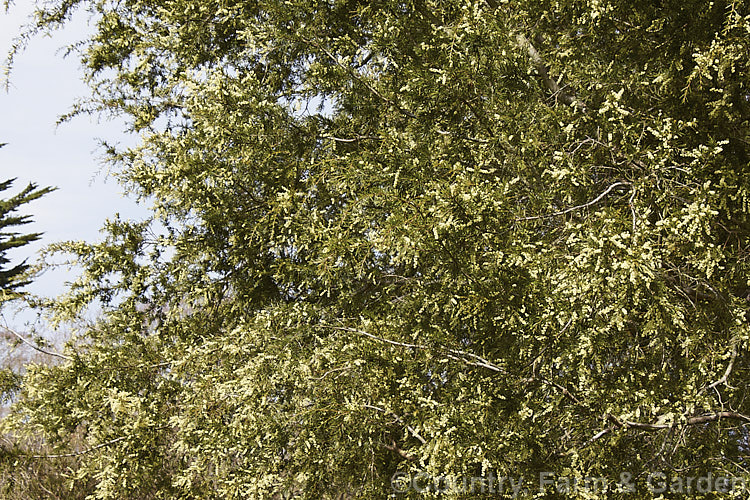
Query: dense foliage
{"points": [[441, 237]]}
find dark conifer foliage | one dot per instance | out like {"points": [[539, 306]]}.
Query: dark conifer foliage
{"points": [[15, 275]]}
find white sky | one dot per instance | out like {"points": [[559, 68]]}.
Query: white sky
{"points": [[43, 86]]}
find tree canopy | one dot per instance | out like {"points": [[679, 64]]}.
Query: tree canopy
{"points": [[448, 238]]}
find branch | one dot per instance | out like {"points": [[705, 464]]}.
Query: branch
{"points": [[533, 361], [658, 427], [354, 139], [724, 377], [596, 436], [394, 448], [481, 363], [454, 354], [79, 453], [703, 419], [562, 389], [369, 335], [549, 82], [400, 421], [465, 137], [35, 347], [369, 87], [332, 370], [577, 207]]}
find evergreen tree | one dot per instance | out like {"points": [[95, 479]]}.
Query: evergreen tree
{"points": [[471, 238], [13, 277]]}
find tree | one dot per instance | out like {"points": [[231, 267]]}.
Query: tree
{"points": [[15, 277], [480, 239], [12, 279]]}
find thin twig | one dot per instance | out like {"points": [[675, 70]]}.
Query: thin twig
{"points": [[332, 370], [79, 453], [544, 349], [632, 210], [465, 137], [354, 139], [379, 339], [359, 79], [562, 389]]}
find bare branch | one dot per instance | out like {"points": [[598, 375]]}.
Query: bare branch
{"points": [[79, 453], [577, 207], [354, 139], [332, 370], [35, 347], [596, 436], [400, 421], [562, 389], [465, 137], [549, 82], [702, 419], [379, 339], [394, 448], [724, 377], [454, 354], [658, 427]]}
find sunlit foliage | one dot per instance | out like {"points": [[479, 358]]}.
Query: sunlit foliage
{"points": [[444, 237]]}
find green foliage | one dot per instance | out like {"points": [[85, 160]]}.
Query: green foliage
{"points": [[12, 278], [449, 238], [23, 475]]}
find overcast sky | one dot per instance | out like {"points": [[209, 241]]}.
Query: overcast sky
{"points": [[43, 86]]}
